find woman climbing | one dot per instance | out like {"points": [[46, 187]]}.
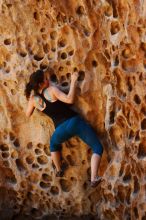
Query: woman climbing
{"points": [[56, 104]]}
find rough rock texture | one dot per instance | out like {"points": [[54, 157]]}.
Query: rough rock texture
{"points": [[105, 41]]}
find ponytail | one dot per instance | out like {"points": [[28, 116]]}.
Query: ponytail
{"points": [[28, 90]]}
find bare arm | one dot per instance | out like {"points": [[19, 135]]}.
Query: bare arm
{"points": [[30, 107], [35, 102], [67, 98]]}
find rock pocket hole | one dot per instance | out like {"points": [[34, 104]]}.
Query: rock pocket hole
{"points": [[11, 179], [20, 165], [46, 177], [62, 78], [94, 63], [5, 84], [129, 85], [81, 75], [71, 52], [80, 10], [30, 159], [83, 162], [75, 69], [36, 15], [64, 84], [5, 154], [115, 27], [53, 49], [136, 185], [8, 69], [121, 170], [38, 151], [54, 190], [43, 65], [137, 99], [42, 159], [137, 137], [60, 68], [68, 75], [65, 185], [29, 145], [63, 56], [44, 185], [128, 194], [35, 166], [7, 41], [143, 124], [62, 43], [127, 176], [4, 147], [142, 150], [46, 47], [16, 143], [47, 151], [23, 53], [143, 110], [86, 32], [38, 57], [115, 13], [121, 193], [143, 46], [116, 61], [42, 29], [112, 117], [141, 77], [13, 91]]}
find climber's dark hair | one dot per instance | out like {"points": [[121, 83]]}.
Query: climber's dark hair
{"points": [[34, 80]]}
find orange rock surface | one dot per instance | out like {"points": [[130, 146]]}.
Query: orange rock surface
{"points": [[105, 41]]}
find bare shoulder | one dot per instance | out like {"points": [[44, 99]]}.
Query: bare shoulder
{"points": [[52, 88], [55, 89], [51, 91]]}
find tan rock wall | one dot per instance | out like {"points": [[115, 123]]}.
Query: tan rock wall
{"points": [[106, 42]]}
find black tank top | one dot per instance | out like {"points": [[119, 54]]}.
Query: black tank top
{"points": [[58, 111]]}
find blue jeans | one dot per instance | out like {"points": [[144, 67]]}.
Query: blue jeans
{"points": [[75, 126]]}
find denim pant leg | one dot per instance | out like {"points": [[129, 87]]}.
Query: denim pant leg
{"points": [[79, 127], [85, 131], [59, 136]]}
